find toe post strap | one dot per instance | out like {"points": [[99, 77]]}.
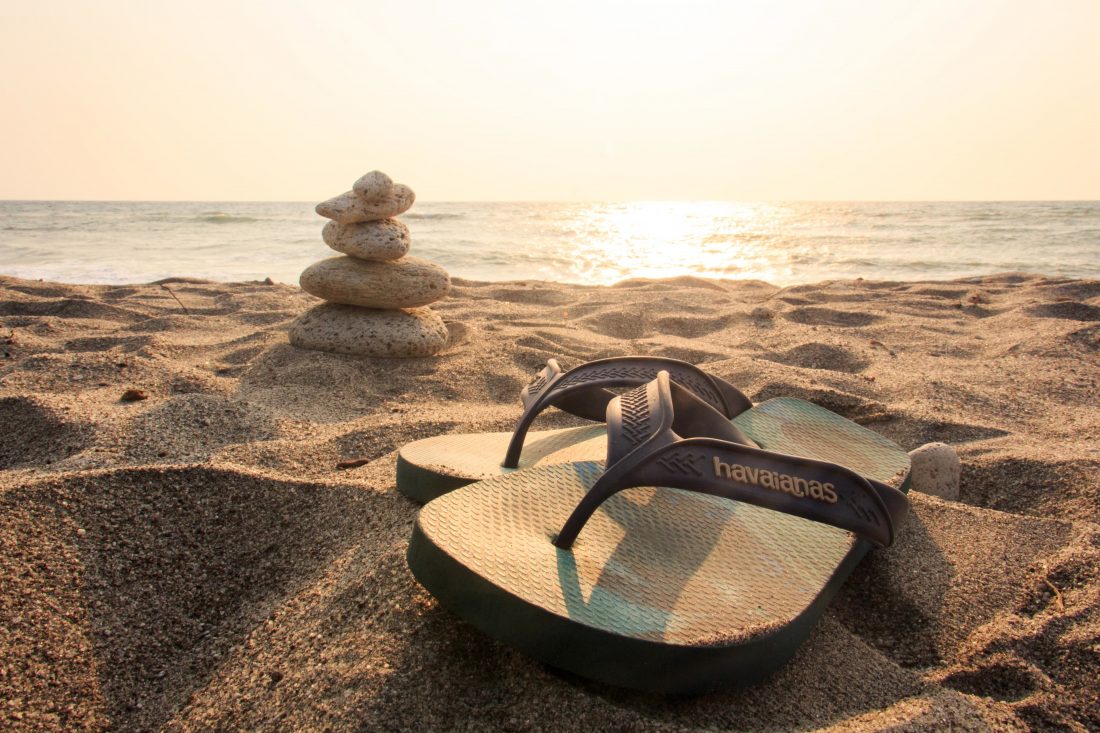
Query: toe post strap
{"points": [[583, 392], [661, 435]]}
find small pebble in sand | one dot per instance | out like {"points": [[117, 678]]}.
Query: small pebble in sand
{"points": [[936, 470], [134, 395]]}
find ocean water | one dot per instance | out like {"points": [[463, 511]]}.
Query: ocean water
{"points": [[597, 243]]}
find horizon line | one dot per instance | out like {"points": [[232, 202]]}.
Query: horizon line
{"points": [[575, 201]]}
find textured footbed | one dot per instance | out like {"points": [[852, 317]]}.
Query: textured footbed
{"points": [[433, 466], [652, 565]]}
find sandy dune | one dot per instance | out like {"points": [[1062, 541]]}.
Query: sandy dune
{"points": [[196, 560]]}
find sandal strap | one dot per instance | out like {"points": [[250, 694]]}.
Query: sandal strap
{"points": [[582, 390], [660, 436]]}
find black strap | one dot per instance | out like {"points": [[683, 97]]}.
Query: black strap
{"points": [[582, 391], [657, 436]]}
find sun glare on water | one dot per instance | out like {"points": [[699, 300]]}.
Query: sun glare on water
{"points": [[613, 242]]}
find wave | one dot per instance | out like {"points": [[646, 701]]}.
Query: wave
{"points": [[43, 228], [433, 216], [206, 217], [737, 237], [220, 217]]}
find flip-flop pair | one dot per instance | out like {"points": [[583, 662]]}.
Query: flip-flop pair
{"points": [[699, 554]]}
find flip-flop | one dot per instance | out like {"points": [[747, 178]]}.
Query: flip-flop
{"points": [[713, 580], [433, 466]]}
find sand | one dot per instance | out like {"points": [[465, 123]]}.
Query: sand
{"points": [[197, 560]]}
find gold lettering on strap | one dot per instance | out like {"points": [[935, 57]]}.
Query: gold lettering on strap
{"points": [[762, 477]]}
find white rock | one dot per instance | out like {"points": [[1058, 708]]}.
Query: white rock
{"points": [[382, 240], [405, 283], [347, 329], [936, 470], [373, 186], [348, 208]]}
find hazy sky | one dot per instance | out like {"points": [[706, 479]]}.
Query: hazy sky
{"points": [[591, 100]]}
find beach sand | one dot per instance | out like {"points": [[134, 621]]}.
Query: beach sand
{"points": [[197, 560]]}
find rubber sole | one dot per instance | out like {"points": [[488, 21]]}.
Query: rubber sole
{"points": [[422, 485], [606, 657]]}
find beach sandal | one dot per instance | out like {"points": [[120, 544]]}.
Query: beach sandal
{"points": [[433, 466], [712, 580]]}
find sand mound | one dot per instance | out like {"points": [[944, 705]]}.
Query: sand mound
{"points": [[35, 433], [812, 316], [200, 556], [190, 427], [228, 553], [1067, 310], [821, 356]]}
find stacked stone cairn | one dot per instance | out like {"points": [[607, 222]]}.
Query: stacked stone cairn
{"points": [[376, 295]]}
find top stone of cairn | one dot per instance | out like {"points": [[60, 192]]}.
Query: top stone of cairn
{"points": [[373, 186], [374, 196]]}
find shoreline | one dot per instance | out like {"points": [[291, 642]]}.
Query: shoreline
{"points": [[197, 559], [1010, 277]]}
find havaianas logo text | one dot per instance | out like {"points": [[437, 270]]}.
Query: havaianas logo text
{"points": [[764, 478]]}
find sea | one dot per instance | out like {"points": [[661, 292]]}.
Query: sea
{"points": [[587, 243]]}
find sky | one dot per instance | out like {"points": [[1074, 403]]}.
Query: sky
{"points": [[551, 101]]}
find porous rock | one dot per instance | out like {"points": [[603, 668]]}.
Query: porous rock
{"points": [[935, 470], [405, 283], [373, 186], [347, 329], [349, 208], [382, 240]]}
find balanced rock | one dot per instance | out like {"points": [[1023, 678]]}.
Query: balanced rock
{"points": [[373, 186], [345, 329], [404, 283], [382, 240], [936, 469], [349, 208]]}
